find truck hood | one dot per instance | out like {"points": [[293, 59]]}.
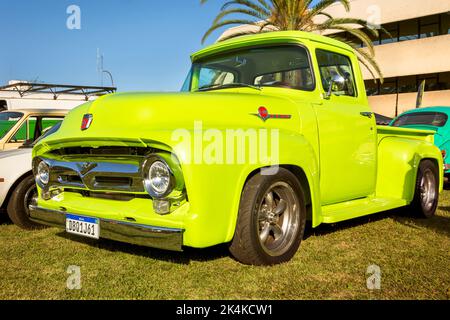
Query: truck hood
{"points": [[139, 118]]}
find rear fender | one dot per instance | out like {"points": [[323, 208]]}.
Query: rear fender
{"points": [[398, 162]]}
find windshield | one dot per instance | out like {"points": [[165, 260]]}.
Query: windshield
{"points": [[286, 67], [7, 121], [436, 119]]}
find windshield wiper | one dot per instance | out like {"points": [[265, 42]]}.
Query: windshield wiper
{"points": [[229, 85]]}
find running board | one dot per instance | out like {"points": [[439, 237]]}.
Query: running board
{"points": [[357, 208]]}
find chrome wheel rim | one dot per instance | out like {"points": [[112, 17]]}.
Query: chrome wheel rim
{"points": [[30, 198], [428, 190], [278, 219]]}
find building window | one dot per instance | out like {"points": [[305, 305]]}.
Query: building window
{"points": [[408, 84], [3, 105], [409, 30], [389, 86], [372, 88], [444, 81], [406, 30], [429, 26], [392, 28], [445, 23], [431, 82]]}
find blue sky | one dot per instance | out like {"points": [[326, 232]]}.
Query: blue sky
{"points": [[146, 43]]}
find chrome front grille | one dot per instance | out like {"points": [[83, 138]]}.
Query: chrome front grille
{"points": [[123, 175]]}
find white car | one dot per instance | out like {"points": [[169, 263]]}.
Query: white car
{"points": [[17, 182], [24, 126], [17, 186]]}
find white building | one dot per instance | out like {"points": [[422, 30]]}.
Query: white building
{"points": [[419, 49]]}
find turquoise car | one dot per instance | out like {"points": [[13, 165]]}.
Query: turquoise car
{"points": [[431, 118]]}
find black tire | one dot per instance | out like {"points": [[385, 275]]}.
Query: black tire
{"points": [[426, 194], [18, 204], [248, 245]]}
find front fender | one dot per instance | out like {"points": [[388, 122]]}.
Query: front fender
{"points": [[214, 190]]}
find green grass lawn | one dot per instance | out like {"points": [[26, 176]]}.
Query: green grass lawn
{"points": [[413, 254]]}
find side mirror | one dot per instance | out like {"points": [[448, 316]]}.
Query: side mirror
{"points": [[338, 81]]}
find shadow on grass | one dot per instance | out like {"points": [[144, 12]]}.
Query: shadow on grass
{"points": [[436, 224], [325, 229], [4, 219], [185, 257]]}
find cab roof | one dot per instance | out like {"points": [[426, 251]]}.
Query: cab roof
{"points": [[42, 112], [273, 37]]}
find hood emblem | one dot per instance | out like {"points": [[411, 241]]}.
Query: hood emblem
{"points": [[87, 121], [264, 115]]}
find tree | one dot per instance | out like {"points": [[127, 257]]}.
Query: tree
{"points": [[283, 15]]}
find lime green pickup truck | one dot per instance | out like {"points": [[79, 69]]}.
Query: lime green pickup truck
{"points": [[270, 132]]}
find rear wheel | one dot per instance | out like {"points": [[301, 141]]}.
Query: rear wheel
{"points": [[426, 196], [23, 195], [271, 222]]}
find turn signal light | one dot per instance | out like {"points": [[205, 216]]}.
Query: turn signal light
{"points": [[444, 154], [161, 206]]}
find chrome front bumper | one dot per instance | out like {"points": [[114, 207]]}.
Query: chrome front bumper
{"points": [[155, 237]]}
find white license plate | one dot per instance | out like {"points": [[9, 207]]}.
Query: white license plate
{"points": [[83, 226]]}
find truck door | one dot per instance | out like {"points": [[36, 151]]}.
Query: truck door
{"points": [[347, 131]]}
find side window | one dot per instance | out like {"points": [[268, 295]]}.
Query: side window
{"points": [[25, 132], [47, 123], [3, 105], [33, 128], [214, 77], [330, 64]]}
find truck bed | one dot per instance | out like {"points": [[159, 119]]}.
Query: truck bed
{"points": [[387, 131]]}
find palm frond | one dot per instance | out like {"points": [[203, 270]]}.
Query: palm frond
{"points": [[246, 3], [361, 35], [248, 12], [323, 4], [226, 23], [369, 62], [270, 15], [263, 3]]}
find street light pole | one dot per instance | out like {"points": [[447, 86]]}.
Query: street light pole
{"points": [[110, 76]]}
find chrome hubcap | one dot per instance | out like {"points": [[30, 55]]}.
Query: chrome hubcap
{"points": [[278, 219], [428, 189]]}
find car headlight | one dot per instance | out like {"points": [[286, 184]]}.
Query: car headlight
{"points": [[158, 179], [43, 174]]}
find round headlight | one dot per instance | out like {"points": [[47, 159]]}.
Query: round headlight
{"points": [[159, 179], [43, 173]]}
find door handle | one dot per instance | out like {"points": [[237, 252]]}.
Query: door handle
{"points": [[367, 114]]}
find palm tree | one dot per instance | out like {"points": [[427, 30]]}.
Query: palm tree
{"points": [[274, 15]]}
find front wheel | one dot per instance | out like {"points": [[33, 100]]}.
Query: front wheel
{"points": [[23, 195], [271, 221], [426, 196]]}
